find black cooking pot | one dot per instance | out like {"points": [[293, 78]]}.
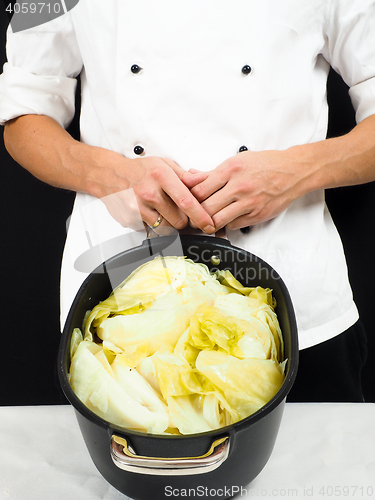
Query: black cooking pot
{"points": [[215, 463]]}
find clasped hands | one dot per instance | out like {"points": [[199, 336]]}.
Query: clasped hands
{"points": [[247, 189]]}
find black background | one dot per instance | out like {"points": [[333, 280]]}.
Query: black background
{"points": [[32, 238]]}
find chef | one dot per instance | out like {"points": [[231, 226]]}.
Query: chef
{"points": [[207, 114]]}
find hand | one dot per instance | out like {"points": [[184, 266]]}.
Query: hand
{"points": [[140, 189], [249, 188]]}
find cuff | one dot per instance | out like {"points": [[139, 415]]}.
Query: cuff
{"points": [[363, 99], [24, 93]]}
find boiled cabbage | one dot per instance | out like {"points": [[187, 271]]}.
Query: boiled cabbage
{"points": [[177, 349]]}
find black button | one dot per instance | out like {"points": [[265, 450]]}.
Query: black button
{"points": [[138, 150], [135, 69], [245, 230], [246, 70], [242, 148]]}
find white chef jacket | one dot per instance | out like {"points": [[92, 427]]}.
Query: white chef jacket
{"points": [[192, 102]]}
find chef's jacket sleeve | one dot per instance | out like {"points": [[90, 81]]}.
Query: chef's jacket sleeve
{"points": [[39, 76], [350, 50]]}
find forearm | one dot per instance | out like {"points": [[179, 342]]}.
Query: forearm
{"points": [[48, 152], [45, 149], [341, 161], [255, 186]]}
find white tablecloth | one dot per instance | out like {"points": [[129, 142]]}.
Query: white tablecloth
{"points": [[322, 451]]}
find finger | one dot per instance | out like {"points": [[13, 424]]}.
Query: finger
{"points": [[154, 201], [123, 207], [214, 181], [187, 203], [218, 201], [162, 230], [191, 179], [173, 165], [153, 218], [172, 214], [232, 216]]}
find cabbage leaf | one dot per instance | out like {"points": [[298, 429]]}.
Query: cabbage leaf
{"points": [[111, 400], [177, 349], [247, 384]]}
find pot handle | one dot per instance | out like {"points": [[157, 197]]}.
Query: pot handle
{"points": [[125, 458]]}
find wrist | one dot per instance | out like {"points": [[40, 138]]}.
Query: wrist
{"points": [[347, 160], [323, 165], [94, 169]]}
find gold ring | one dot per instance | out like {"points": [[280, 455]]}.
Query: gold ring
{"points": [[158, 221]]}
